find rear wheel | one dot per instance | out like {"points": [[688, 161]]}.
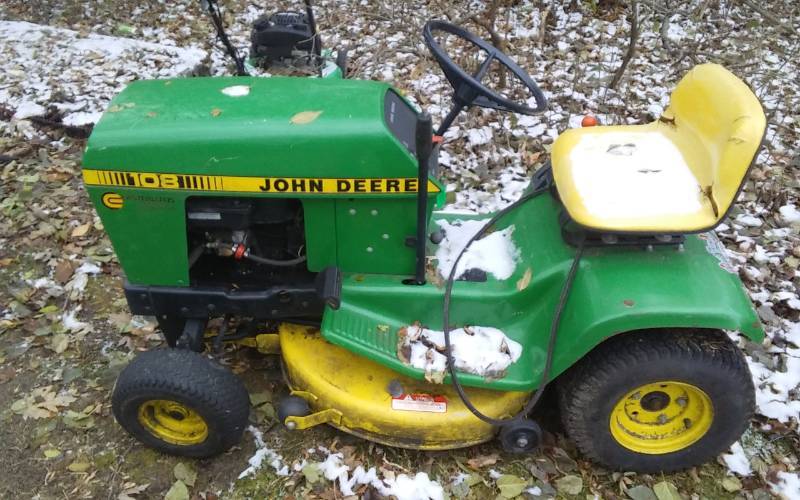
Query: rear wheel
{"points": [[180, 402], [658, 401]]}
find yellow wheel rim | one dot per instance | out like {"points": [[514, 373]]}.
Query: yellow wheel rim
{"points": [[661, 417], [173, 422]]}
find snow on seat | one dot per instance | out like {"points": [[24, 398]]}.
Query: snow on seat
{"points": [[678, 174]]}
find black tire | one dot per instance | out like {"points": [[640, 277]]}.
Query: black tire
{"points": [[192, 382], [520, 437], [292, 406], [704, 359]]}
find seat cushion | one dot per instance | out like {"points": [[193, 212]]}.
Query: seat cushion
{"points": [[630, 179], [679, 174]]}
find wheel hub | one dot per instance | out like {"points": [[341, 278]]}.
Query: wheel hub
{"points": [[172, 422], [661, 417]]}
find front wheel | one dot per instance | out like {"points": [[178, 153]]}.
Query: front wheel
{"points": [[181, 403], [658, 400]]}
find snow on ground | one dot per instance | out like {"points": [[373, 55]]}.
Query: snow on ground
{"points": [[77, 74], [787, 487], [737, 461], [263, 454], [333, 468], [481, 350], [494, 253]]}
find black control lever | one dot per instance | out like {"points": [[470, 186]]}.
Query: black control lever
{"points": [[424, 143]]}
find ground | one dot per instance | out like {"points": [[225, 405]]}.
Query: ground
{"points": [[65, 332]]}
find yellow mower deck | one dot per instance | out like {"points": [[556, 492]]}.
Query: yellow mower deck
{"points": [[352, 394]]}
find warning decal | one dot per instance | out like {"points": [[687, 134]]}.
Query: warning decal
{"points": [[420, 402], [226, 183]]}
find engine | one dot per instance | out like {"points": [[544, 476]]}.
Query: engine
{"points": [[244, 243]]}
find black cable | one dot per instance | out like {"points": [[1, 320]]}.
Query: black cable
{"points": [[216, 19], [562, 301], [273, 262]]}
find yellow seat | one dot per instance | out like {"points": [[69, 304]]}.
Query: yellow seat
{"points": [[679, 174]]}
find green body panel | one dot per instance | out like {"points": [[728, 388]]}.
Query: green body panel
{"points": [[189, 126], [616, 290]]}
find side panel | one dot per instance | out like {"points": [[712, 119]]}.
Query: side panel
{"points": [[148, 231], [320, 218], [371, 235], [617, 290]]}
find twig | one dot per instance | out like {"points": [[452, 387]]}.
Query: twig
{"points": [[768, 16], [631, 46], [543, 25]]}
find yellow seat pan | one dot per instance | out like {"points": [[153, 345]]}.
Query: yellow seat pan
{"points": [[678, 174]]}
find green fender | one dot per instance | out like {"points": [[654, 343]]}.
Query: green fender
{"points": [[667, 288], [616, 290]]}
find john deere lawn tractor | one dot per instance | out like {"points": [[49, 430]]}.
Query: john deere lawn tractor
{"points": [[301, 216]]}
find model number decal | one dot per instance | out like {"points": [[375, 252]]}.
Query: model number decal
{"points": [[301, 185]]}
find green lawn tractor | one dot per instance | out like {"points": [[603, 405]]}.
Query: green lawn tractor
{"points": [[301, 216]]}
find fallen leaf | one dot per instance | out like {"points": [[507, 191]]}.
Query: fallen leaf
{"points": [[81, 230], [666, 491], [305, 117], [78, 420], [483, 461], [131, 489], [59, 343], [462, 488], [312, 473], [570, 484], [71, 373], [78, 466], [641, 492], [259, 398], [523, 282], [178, 491], [216, 112], [731, 484], [185, 473], [63, 271], [510, 486]]}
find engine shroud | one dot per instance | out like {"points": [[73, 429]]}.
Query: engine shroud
{"points": [[340, 149]]}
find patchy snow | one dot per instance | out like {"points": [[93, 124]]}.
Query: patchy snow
{"points": [[737, 461], [749, 220], [262, 454], [495, 253], [81, 73], [236, 90], [788, 485], [71, 323], [789, 213], [480, 350], [402, 486], [80, 118], [479, 136], [775, 388], [88, 268], [419, 487], [27, 109], [627, 174]]}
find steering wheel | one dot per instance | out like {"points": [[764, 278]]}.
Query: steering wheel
{"points": [[469, 88]]}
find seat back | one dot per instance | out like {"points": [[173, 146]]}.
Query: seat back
{"points": [[724, 115]]}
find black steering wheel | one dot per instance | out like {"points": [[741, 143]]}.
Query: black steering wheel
{"points": [[469, 88]]}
